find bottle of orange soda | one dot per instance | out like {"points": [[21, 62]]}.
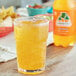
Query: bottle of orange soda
{"points": [[63, 23]]}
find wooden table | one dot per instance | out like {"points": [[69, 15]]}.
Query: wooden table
{"points": [[60, 62]]}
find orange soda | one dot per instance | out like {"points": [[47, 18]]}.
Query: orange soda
{"points": [[31, 37], [64, 23], [75, 19]]}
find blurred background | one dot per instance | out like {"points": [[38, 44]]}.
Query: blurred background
{"points": [[21, 3]]}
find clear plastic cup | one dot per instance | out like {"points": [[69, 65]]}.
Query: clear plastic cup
{"points": [[31, 35]]}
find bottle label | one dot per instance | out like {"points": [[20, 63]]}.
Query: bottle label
{"points": [[63, 23]]}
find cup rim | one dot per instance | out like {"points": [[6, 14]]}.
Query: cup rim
{"points": [[31, 17], [34, 18]]}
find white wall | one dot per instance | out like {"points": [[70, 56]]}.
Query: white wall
{"points": [[7, 3], [22, 3]]}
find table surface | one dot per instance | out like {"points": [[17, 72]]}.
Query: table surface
{"points": [[60, 62]]}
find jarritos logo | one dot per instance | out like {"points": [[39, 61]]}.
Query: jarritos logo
{"points": [[63, 20]]}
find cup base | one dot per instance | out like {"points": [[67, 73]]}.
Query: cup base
{"points": [[38, 71]]}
